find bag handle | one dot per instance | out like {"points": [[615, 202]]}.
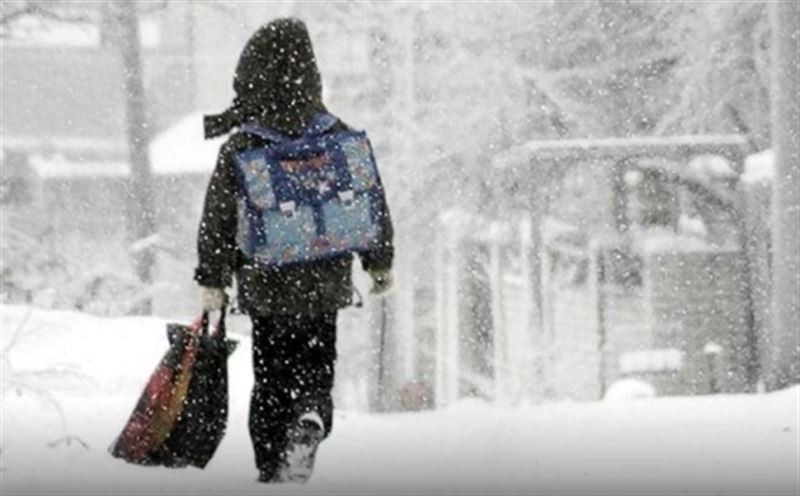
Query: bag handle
{"points": [[319, 124], [219, 329]]}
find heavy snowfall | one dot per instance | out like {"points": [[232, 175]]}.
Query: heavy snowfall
{"points": [[596, 212]]}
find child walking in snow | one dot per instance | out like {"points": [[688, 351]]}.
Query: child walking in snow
{"points": [[292, 306]]}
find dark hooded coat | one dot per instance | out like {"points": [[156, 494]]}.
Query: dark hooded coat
{"points": [[278, 84]]}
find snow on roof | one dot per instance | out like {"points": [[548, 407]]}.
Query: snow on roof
{"points": [[759, 167], [655, 240], [57, 166], [67, 144], [36, 30], [609, 148], [711, 166], [182, 149]]}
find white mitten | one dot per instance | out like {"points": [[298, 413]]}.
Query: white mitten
{"points": [[213, 299], [382, 282]]}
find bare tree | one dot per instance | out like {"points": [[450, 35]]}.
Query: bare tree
{"points": [[126, 15], [140, 208]]}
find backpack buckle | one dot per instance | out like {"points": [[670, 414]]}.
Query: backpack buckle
{"points": [[288, 208], [347, 198]]}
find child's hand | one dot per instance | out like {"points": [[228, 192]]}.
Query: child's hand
{"points": [[213, 299], [382, 282]]}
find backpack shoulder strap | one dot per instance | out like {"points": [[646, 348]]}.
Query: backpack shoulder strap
{"points": [[321, 123], [252, 127]]}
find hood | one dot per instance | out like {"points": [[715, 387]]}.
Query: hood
{"points": [[276, 82]]}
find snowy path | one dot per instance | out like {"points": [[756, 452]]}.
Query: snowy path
{"points": [[709, 445]]}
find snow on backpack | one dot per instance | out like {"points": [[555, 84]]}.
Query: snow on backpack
{"points": [[308, 198]]}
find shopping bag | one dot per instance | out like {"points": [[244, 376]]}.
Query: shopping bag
{"points": [[181, 415], [202, 422]]}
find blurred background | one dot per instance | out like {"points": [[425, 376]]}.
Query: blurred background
{"points": [[582, 191]]}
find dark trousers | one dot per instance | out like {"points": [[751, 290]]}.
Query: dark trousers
{"points": [[293, 362]]}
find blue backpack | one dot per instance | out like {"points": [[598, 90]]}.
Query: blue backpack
{"points": [[308, 198]]}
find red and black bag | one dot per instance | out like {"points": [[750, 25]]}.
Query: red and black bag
{"points": [[182, 414]]}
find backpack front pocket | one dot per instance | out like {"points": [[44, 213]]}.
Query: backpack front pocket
{"points": [[286, 235], [350, 225]]}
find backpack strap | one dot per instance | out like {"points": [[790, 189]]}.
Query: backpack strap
{"points": [[252, 127], [320, 123]]}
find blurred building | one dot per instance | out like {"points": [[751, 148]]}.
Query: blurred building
{"points": [[65, 172], [62, 80], [611, 259]]}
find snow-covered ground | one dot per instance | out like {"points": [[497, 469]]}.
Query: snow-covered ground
{"points": [[69, 382]]}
